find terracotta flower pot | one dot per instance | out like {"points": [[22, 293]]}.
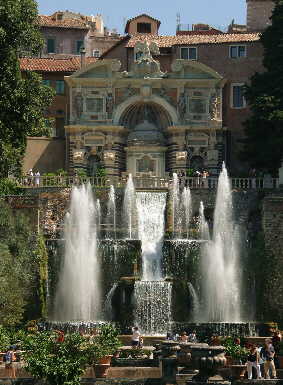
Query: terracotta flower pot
{"points": [[106, 359], [101, 370], [238, 371], [229, 361]]}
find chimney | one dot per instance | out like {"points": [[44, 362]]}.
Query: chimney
{"points": [[83, 58]]}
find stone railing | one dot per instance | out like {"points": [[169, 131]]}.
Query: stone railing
{"points": [[146, 182]]}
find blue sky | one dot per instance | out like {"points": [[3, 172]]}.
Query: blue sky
{"points": [[214, 12]]}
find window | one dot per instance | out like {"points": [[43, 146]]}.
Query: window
{"points": [[50, 45], [46, 112], [80, 46], [60, 86], [60, 112], [189, 53], [237, 51], [96, 53], [46, 82], [237, 96], [144, 27], [138, 55], [60, 17]]}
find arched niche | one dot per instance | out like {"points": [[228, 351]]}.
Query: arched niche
{"points": [[132, 112]]}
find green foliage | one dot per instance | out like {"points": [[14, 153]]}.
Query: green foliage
{"points": [[101, 172], [4, 340], [135, 353], [62, 172], [22, 101], [269, 279], [190, 172], [81, 173], [18, 265], [108, 339], [59, 363], [237, 352], [263, 143], [10, 187]]}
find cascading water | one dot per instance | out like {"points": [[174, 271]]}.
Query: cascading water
{"points": [[111, 214], [128, 207], [195, 303], [78, 293], [151, 226], [153, 306], [221, 279], [175, 202]]}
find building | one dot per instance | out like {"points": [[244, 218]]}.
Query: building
{"points": [[195, 114]]}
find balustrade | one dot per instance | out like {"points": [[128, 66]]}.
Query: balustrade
{"points": [[147, 182]]}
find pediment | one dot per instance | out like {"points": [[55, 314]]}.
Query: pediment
{"points": [[188, 69], [98, 70]]}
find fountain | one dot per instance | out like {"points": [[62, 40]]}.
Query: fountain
{"points": [[133, 275], [221, 278], [78, 293]]}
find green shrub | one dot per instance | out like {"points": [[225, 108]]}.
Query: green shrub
{"points": [[135, 353]]}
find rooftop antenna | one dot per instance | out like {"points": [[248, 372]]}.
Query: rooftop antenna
{"points": [[124, 20], [178, 21]]}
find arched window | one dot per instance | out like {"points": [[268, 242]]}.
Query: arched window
{"points": [[96, 53], [60, 112], [46, 112], [197, 163]]}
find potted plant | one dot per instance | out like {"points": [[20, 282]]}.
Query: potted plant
{"points": [[108, 339], [239, 354], [95, 353]]}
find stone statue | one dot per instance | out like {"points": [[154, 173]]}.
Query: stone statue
{"points": [[181, 156], [182, 106], [78, 155], [109, 106], [164, 93], [146, 48], [128, 92], [78, 103], [109, 156], [213, 107]]}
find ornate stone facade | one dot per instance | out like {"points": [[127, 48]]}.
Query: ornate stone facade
{"points": [[145, 121]]}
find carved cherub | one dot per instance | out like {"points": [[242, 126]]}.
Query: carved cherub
{"points": [[146, 48]]}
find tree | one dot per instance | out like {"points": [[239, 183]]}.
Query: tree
{"points": [[23, 262], [22, 101], [263, 143]]}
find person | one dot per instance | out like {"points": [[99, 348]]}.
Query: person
{"points": [[204, 176], [268, 354], [276, 339], [168, 338], [261, 360], [135, 337], [215, 340], [140, 343], [90, 338], [37, 174], [253, 361], [61, 336], [192, 336], [30, 175], [174, 336], [184, 337], [9, 364]]}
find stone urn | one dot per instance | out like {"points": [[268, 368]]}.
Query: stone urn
{"points": [[208, 360], [184, 356], [169, 361], [238, 371], [101, 370]]}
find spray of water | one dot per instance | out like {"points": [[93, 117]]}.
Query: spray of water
{"points": [[128, 207], [220, 262], [111, 214], [78, 294]]}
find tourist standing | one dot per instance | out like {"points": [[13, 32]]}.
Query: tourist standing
{"points": [[174, 336], [37, 174], [135, 337], [184, 337], [268, 354], [140, 343], [90, 338], [192, 336], [30, 177], [253, 361], [9, 364]]}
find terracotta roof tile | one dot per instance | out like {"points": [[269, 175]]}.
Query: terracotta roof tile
{"points": [[67, 22], [53, 65], [169, 41]]}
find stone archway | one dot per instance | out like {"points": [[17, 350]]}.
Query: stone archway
{"points": [[197, 163], [165, 114]]}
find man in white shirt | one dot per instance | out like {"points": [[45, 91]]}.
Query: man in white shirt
{"points": [[135, 337]]}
